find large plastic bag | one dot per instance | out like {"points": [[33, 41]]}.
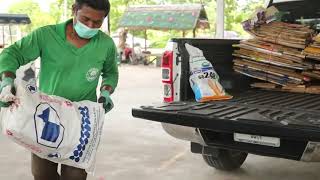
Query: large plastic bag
{"points": [[54, 128], [203, 78]]}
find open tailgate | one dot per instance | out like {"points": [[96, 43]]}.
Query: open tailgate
{"points": [[278, 114]]}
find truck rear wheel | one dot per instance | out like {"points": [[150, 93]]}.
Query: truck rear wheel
{"points": [[226, 160]]}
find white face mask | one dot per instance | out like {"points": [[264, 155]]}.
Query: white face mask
{"points": [[84, 31]]}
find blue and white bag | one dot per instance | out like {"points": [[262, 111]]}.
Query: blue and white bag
{"points": [[204, 80], [54, 128]]}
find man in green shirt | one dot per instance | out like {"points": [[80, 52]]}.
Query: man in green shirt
{"points": [[73, 56]]}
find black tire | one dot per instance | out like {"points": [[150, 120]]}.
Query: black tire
{"points": [[226, 160]]}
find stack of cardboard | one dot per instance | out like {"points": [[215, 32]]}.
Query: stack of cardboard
{"points": [[314, 89], [274, 54], [313, 50], [277, 54], [291, 35]]}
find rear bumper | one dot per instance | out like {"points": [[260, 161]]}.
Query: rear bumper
{"points": [[203, 141], [290, 148]]}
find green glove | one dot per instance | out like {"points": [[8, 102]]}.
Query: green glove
{"points": [[106, 100], [6, 83]]}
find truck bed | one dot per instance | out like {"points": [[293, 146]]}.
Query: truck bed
{"points": [[292, 117]]}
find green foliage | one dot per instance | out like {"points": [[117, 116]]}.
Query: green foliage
{"points": [[32, 8], [38, 17], [245, 13], [230, 13], [57, 9], [159, 39], [117, 9]]}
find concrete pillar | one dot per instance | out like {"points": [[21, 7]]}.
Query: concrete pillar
{"points": [[220, 19]]}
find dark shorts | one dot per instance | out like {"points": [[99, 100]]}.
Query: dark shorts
{"points": [[43, 169]]}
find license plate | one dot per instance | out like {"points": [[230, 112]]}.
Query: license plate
{"points": [[256, 139]]}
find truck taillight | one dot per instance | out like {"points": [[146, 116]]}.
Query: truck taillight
{"points": [[167, 92], [167, 79]]}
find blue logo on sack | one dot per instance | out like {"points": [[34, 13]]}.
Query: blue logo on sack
{"points": [[54, 155], [32, 88], [84, 135], [49, 129]]}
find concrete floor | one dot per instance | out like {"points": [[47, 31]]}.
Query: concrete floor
{"points": [[135, 149]]}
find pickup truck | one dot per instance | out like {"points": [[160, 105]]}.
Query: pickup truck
{"points": [[267, 123]]}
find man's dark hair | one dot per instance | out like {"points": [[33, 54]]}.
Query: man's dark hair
{"points": [[102, 5]]}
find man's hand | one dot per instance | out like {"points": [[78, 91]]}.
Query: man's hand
{"points": [[106, 100], [6, 95]]}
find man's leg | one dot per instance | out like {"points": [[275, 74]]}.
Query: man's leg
{"points": [[72, 173], [43, 169]]}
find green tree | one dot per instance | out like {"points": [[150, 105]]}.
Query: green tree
{"points": [[230, 13], [57, 9], [243, 13], [117, 9], [32, 9]]}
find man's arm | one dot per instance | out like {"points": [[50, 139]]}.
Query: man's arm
{"points": [[109, 79], [20, 53], [110, 72]]}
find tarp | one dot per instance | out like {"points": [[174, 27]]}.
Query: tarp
{"points": [[165, 17]]}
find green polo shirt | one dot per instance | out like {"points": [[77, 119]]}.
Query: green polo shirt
{"points": [[66, 70]]}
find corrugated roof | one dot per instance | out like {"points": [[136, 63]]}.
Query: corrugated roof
{"points": [[165, 17], [14, 19]]}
